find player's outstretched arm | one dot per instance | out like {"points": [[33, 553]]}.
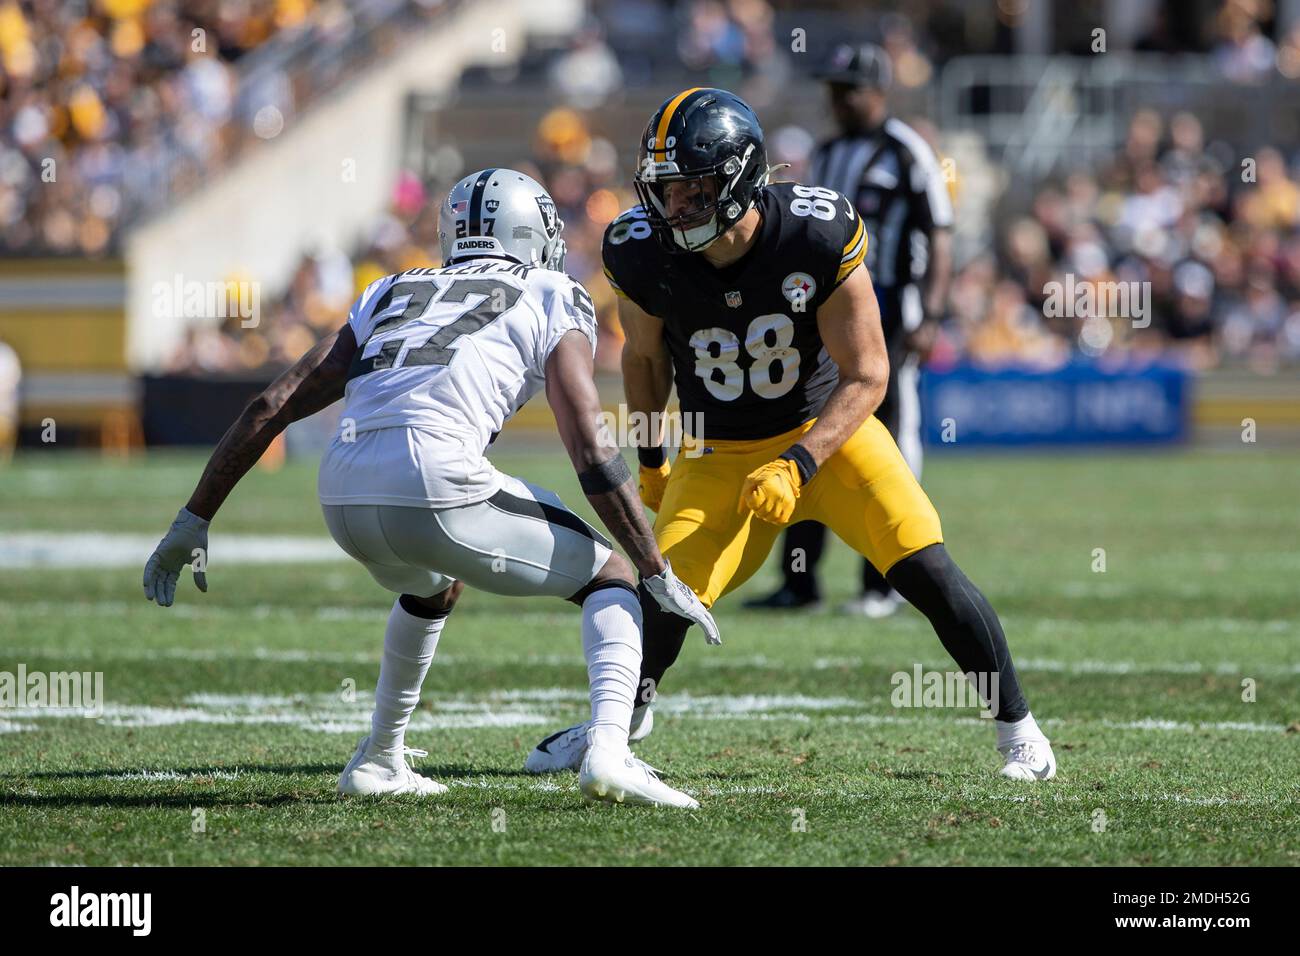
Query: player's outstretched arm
{"points": [[647, 382], [606, 480], [849, 322], [314, 382]]}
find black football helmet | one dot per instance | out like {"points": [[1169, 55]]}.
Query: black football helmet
{"points": [[703, 161]]}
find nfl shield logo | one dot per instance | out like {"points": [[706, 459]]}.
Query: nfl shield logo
{"points": [[733, 299]]}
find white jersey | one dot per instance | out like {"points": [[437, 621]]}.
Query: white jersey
{"points": [[444, 358]]}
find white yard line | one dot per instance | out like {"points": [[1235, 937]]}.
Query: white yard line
{"points": [[152, 776], [202, 607], [715, 660], [100, 549], [547, 707], [1230, 726], [198, 607]]}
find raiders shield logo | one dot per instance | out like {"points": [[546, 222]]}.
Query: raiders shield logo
{"points": [[493, 205], [550, 218]]}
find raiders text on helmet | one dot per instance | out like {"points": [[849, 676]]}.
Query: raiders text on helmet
{"points": [[504, 214], [702, 162]]}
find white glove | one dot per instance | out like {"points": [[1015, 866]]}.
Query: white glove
{"points": [[558, 254], [676, 598], [186, 542]]}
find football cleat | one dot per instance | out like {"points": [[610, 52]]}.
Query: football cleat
{"points": [[370, 775], [874, 605], [564, 749], [618, 777], [643, 722], [1031, 760]]}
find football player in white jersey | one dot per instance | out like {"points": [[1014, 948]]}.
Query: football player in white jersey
{"points": [[432, 363]]}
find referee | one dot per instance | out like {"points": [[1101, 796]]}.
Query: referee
{"points": [[891, 175]]}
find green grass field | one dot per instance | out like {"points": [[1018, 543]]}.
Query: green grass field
{"points": [[226, 722]]}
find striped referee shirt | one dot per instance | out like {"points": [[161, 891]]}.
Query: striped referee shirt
{"points": [[894, 179]]}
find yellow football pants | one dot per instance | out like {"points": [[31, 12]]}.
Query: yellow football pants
{"points": [[864, 492]]}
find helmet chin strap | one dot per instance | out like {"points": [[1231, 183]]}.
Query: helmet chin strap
{"points": [[695, 240], [703, 236]]}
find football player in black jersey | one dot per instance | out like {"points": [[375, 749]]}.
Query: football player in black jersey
{"points": [[749, 297]]}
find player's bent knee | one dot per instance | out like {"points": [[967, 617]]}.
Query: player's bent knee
{"points": [[617, 572], [932, 583], [617, 568], [439, 605], [931, 563]]}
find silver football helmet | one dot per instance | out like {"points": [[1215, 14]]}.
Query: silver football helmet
{"points": [[503, 213]]}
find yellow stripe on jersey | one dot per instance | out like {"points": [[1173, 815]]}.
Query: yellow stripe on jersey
{"points": [[661, 132], [609, 277], [854, 252]]}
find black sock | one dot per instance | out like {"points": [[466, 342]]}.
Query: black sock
{"points": [[662, 637], [808, 537], [964, 620]]}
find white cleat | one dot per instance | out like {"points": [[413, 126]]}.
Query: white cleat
{"points": [[1032, 760], [643, 722], [368, 775], [618, 777], [874, 606], [564, 749]]}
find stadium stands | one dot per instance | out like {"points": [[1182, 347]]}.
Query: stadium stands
{"points": [[154, 105]]}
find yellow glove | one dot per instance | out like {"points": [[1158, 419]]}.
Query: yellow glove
{"points": [[652, 483], [771, 491]]}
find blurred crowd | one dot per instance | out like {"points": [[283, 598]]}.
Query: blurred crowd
{"points": [[583, 175], [108, 107], [108, 104], [1208, 247], [1206, 242], [102, 99]]}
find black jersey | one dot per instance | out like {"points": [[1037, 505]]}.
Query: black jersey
{"points": [[747, 356]]}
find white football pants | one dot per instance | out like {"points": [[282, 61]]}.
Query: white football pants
{"points": [[522, 541]]}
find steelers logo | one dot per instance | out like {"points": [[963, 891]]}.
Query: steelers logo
{"points": [[799, 288]]}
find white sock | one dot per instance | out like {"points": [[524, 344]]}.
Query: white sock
{"points": [[611, 642], [409, 643], [1019, 731]]}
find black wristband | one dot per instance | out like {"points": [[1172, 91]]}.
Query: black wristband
{"points": [[652, 457], [605, 477], [803, 460]]}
